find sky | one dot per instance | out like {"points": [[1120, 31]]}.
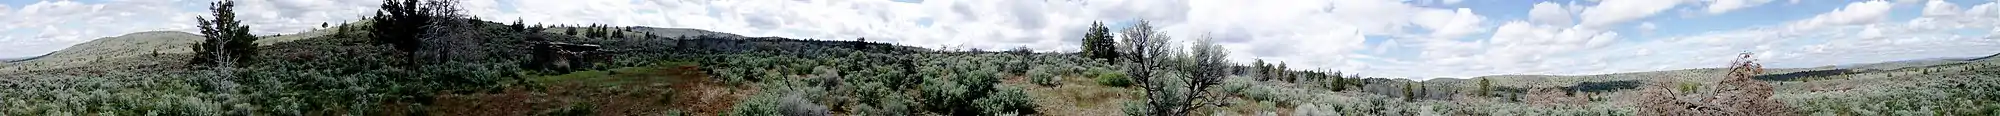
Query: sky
{"points": [[1417, 39]]}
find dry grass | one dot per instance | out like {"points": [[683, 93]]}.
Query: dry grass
{"points": [[627, 91], [1078, 96]]}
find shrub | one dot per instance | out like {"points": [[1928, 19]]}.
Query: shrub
{"points": [[793, 105], [942, 96], [1236, 85], [780, 97], [1007, 100], [1137, 108], [1043, 75], [1109, 78]]}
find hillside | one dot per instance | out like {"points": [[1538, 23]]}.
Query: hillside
{"points": [[103, 49], [1987, 57]]}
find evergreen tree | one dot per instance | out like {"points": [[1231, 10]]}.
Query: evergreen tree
{"points": [[649, 35], [861, 43], [227, 42], [1263, 70], [1485, 87], [596, 31], [1098, 43], [615, 33], [1280, 73], [340, 30], [1339, 81], [399, 23], [1408, 94], [570, 31], [518, 26]]}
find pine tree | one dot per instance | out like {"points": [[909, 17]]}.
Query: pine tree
{"points": [[228, 43]]}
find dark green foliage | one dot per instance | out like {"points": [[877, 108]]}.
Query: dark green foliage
{"points": [[1409, 92], [1340, 82], [1099, 44], [400, 23], [518, 26], [227, 42], [571, 31], [1485, 87], [1110, 78]]}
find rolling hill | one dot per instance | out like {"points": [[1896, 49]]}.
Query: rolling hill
{"points": [[104, 49]]}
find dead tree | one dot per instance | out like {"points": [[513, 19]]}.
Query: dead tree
{"points": [[1736, 95]]}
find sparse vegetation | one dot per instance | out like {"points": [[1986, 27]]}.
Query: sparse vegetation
{"points": [[418, 57]]}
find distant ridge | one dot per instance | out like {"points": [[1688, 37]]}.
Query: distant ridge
{"points": [[12, 60], [1984, 58]]}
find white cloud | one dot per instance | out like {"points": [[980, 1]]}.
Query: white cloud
{"points": [[1939, 8], [1552, 14], [1870, 32], [1855, 13], [1613, 12], [293, 16], [4, 10], [1647, 27], [1520, 43], [1724, 6], [1451, 24], [1993, 34], [1983, 10]]}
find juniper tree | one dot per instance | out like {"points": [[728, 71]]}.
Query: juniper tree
{"points": [[1407, 94], [1098, 43], [399, 23], [1339, 81], [1259, 69], [1485, 86], [227, 42], [226, 45], [1279, 73], [518, 26], [570, 31]]}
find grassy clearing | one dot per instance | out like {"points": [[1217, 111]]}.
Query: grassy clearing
{"points": [[659, 89], [1080, 96]]}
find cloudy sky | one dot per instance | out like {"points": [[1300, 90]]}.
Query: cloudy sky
{"points": [[1386, 38]]}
